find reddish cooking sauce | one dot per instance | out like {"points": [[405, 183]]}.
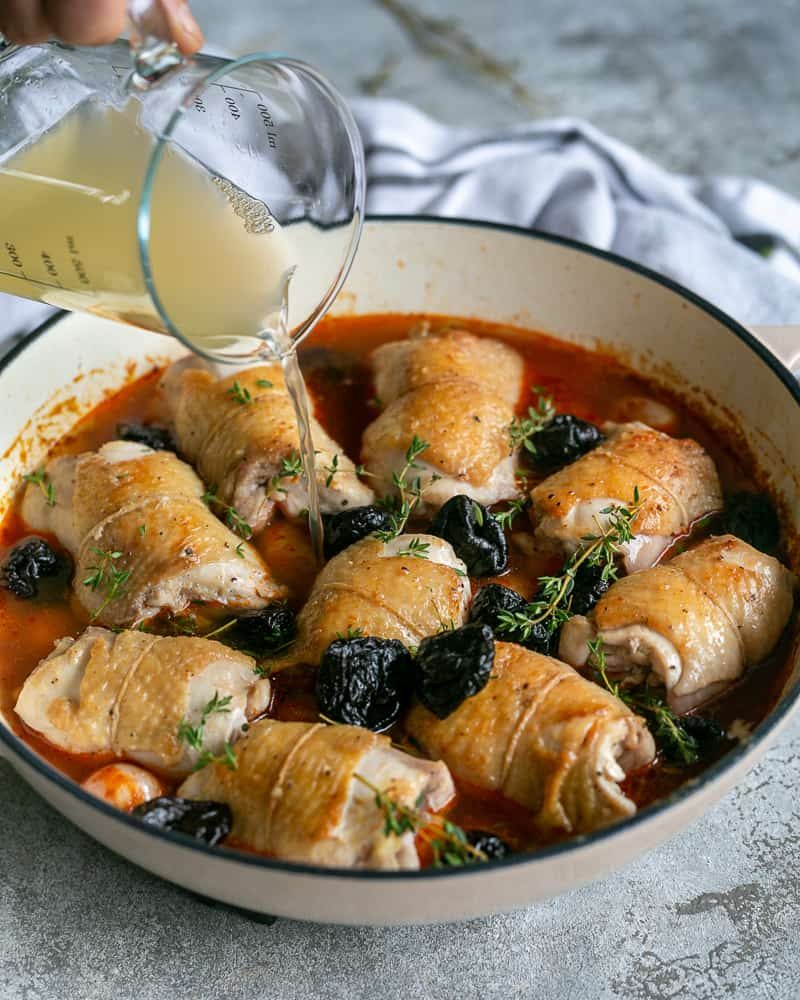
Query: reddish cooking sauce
{"points": [[588, 384]]}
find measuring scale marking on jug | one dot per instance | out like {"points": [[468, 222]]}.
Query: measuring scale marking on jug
{"points": [[184, 204], [70, 245]]}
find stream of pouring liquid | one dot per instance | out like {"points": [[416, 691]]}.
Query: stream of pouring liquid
{"points": [[280, 345]]}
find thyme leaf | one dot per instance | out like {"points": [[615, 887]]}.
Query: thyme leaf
{"points": [[554, 597], [447, 841], [351, 633], [331, 469], [106, 578], [193, 736], [42, 480], [233, 518], [505, 518], [289, 468], [522, 429], [220, 629], [401, 507], [669, 732], [240, 393], [416, 548]]}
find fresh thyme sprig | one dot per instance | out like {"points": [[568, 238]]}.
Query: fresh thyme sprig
{"points": [[233, 518], [401, 507], [505, 518], [220, 629], [351, 633], [448, 842], [445, 624], [193, 736], [240, 393], [107, 578], [331, 469], [522, 429], [264, 383], [290, 468], [668, 729], [416, 548], [553, 599], [42, 480]]}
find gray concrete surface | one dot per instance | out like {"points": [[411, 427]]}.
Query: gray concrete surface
{"points": [[705, 86], [715, 913]]}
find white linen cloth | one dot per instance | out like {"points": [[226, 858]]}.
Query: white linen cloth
{"points": [[565, 177]]}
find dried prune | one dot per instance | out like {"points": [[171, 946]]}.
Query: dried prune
{"points": [[27, 563], [751, 517], [453, 666], [364, 681], [589, 587], [207, 821], [475, 535], [155, 437], [563, 440], [490, 601], [707, 735], [490, 844], [349, 526], [267, 630], [493, 599]]}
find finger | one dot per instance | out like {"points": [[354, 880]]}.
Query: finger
{"points": [[183, 27], [24, 21], [86, 22]]}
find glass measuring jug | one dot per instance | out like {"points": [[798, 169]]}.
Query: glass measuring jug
{"points": [[218, 201]]}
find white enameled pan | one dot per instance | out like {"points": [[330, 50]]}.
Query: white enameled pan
{"points": [[470, 270]]}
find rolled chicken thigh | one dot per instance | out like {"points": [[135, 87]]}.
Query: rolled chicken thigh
{"points": [[692, 625], [296, 794]]}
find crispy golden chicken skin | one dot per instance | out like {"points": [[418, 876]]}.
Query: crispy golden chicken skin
{"points": [[456, 392], [543, 736], [146, 507], [127, 692], [408, 364], [295, 794], [693, 624], [677, 484], [240, 432], [384, 591]]}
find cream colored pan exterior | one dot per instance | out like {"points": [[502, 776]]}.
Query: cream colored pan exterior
{"points": [[464, 269]]}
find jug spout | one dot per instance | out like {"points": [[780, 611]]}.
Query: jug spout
{"points": [[151, 38]]}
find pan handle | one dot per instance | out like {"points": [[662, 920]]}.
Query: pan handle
{"points": [[783, 341]]}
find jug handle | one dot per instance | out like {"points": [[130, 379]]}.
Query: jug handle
{"points": [[154, 49]]}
